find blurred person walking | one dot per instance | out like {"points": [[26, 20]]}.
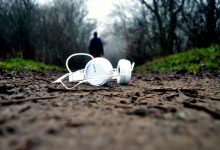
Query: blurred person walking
{"points": [[96, 46]]}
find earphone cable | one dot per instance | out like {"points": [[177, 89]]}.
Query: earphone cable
{"points": [[73, 55]]}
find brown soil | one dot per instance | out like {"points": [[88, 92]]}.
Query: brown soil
{"points": [[155, 111]]}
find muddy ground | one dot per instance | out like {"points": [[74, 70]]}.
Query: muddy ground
{"points": [[155, 112]]}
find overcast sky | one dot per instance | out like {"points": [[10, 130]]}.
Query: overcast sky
{"points": [[99, 9]]}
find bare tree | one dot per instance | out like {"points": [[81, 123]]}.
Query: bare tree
{"points": [[163, 27], [16, 20], [152, 30], [166, 14], [200, 22], [47, 33], [131, 28]]}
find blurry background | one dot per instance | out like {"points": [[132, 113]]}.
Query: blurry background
{"points": [[139, 30]]}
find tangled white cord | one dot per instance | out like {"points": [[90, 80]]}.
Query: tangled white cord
{"points": [[93, 64]]}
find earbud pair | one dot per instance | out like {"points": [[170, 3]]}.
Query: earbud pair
{"points": [[98, 71]]}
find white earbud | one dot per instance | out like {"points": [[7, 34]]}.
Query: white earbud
{"points": [[124, 67], [98, 71]]}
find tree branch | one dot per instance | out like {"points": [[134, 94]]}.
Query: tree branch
{"points": [[180, 7], [147, 5]]}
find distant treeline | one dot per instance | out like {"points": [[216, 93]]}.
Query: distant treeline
{"points": [[152, 28], [145, 28], [46, 33]]}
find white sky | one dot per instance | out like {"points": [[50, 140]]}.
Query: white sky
{"points": [[43, 1], [99, 9]]}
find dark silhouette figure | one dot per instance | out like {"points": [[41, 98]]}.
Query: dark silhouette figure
{"points": [[96, 46]]}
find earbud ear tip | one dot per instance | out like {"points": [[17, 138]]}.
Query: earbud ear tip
{"points": [[124, 71]]}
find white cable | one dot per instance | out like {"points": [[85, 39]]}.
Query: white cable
{"points": [[73, 55], [61, 78], [88, 79]]}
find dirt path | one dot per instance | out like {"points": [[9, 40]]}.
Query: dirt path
{"points": [[155, 111]]}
